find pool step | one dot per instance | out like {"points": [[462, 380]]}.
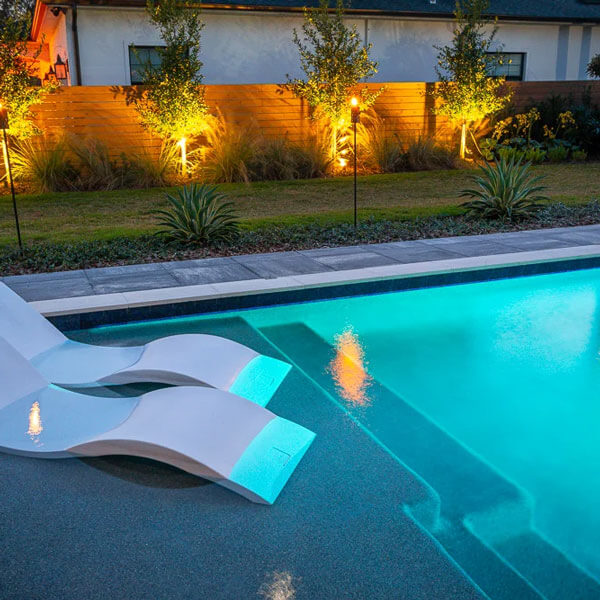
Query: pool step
{"points": [[552, 573], [467, 487]]}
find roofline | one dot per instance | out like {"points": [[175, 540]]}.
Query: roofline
{"points": [[300, 9], [38, 18]]}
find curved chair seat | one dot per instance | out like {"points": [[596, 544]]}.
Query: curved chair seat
{"points": [[207, 432], [188, 359]]}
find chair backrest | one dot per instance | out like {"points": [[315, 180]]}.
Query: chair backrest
{"points": [[18, 377], [24, 327]]}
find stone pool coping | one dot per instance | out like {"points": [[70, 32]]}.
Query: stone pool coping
{"points": [[296, 276]]}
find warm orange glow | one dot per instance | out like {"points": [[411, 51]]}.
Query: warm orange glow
{"points": [[342, 162], [348, 369], [354, 101], [182, 145], [35, 421]]}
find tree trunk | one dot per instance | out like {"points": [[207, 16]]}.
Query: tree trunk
{"points": [[6, 169], [334, 143]]}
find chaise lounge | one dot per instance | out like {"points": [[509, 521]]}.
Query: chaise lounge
{"points": [[188, 359], [210, 433]]}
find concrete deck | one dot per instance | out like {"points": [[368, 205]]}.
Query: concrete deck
{"points": [[113, 288]]}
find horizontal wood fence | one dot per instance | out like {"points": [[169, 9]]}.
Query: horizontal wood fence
{"points": [[102, 112]]}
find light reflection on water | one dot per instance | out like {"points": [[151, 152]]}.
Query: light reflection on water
{"points": [[279, 586], [348, 369], [35, 422]]}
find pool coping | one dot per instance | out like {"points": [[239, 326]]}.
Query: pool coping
{"points": [[105, 309]]}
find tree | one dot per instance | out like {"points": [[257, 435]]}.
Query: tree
{"points": [[172, 104], [334, 61], [12, 8], [466, 90], [593, 68], [17, 93]]}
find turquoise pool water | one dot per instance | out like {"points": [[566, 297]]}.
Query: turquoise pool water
{"points": [[507, 370]]}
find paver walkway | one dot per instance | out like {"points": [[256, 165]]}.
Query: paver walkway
{"points": [[89, 282]]}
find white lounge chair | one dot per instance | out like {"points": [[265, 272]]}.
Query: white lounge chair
{"points": [[189, 359], [206, 432]]}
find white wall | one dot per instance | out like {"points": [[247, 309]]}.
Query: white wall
{"points": [[257, 48]]}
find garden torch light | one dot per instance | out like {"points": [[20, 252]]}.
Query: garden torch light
{"points": [[355, 114], [4, 127]]}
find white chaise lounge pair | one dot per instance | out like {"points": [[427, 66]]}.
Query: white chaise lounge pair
{"points": [[213, 425]]}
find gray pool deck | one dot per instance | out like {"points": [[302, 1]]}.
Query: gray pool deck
{"points": [[109, 288]]}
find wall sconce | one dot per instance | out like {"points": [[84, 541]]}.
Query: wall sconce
{"points": [[61, 69]]}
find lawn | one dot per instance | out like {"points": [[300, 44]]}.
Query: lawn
{"points": [[76, 216]]}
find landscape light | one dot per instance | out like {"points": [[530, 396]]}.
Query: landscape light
{"points": [[4, 127]]}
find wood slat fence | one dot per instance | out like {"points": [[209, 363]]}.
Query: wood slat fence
{"points": [[101, 111]]}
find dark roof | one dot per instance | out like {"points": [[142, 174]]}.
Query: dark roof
{"points": [[536, 10]]}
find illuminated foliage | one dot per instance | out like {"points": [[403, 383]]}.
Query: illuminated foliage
{"points": [[172, 104], [335, 62], [593, 67], [466, 91], [16, 90]]}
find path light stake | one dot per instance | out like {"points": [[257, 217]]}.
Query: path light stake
{"points": [[4, 127], [355, 112]]}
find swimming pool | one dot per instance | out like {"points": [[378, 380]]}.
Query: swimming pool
{"points": [[488, 392]]}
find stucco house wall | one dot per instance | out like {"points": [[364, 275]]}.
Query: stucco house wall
{"points": [[247, 48]]}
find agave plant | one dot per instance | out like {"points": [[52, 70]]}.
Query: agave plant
{"points": [[198, 214], [505, 190]]}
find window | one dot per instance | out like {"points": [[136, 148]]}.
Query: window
{"points": [[507, 64], [139, 57]]}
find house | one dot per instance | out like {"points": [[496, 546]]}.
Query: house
{"points": [[91, 42]]}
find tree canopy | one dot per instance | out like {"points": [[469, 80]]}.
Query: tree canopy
{"points": [[334, 61]]}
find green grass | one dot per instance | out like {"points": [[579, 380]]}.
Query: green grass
{"points": [[76, 216]]}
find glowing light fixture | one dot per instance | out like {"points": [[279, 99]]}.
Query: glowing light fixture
{"points": [[61, 69], [182, 145]]}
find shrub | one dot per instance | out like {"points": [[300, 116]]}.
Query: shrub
{"points": [[313, 159], [198, 214], [45, 164], [535, 155], [274, 158], [579, 155], [508, 153], [505, 190], [424, 153], [147, 171], [229, 152], [577, 120], [377, 151], [558, 153], [97, 170]]}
